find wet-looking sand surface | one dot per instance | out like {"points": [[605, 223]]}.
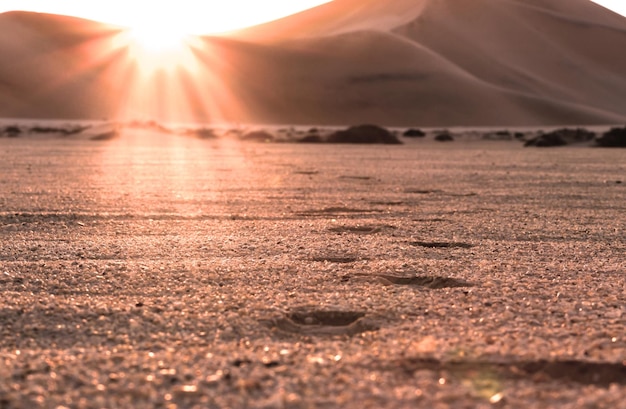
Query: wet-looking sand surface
{"points": [[158, 270]]}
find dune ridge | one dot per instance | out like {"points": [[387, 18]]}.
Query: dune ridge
{"points": [[400, 62]]}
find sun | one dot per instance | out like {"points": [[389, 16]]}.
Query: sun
{"points": [[159, 44], [158, 38]]}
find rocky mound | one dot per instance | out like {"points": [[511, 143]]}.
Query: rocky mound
{"points": [[414, 133], [369, 134], [11, 131], [444, 137], [257, 136], [561, 137], [615, 138]]}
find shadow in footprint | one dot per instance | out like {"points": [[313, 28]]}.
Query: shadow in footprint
{"points": [[433, 220], [336, 259], [322, 322], [306, 172], [335, 211], [432, 282], [421, 191], [355, 177], [440, 245], [359, 229], [387, 203]]}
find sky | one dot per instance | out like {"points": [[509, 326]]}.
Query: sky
{"points": [[192, 16], [618, 6], [196, 17]]}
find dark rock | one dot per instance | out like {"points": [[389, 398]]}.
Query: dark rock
{"points": [[46, 129], [75, 130], [414, 133], [561, 137], [311, 138], [547, 140], [105, 136], [202, 133], [498, 136], [369, 134], [615, 138], [12, 131], [444, 137], [257, 136]]}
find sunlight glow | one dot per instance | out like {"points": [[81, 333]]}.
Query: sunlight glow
{"points": [[157, 39]]}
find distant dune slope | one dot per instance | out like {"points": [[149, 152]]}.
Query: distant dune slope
{"points": [[58, 67], [393, 62]]}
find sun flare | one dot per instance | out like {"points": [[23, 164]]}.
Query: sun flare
{"points": [[158, 39], [155, 46]]}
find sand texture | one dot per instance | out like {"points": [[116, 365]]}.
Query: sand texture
{"points": [[155, 270], [398, 62]]}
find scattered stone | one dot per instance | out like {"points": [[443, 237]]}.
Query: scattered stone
{"points": [[498, 136], [12, 131], [106, 136], [615, 138], [57, 130], [257, 136], [311, 138], [202, 133], [368, 134], [414, 133], [444, 137]]}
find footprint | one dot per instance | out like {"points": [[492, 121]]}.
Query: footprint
{"points": [[387, 203], [358, 229], [335, 211], [440, 245], [305, 321], [336, 259], [432, 282], [356, 177], [422, 191], [434, 220]]}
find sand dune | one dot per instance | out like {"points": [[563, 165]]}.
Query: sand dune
{"points": [[401, 62]]}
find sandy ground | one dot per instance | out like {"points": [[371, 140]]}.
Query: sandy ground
{"points": [[163, 271]]}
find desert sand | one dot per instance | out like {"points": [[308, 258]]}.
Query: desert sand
{"points": [[394, 63], [161, 270], [153, 257]]}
